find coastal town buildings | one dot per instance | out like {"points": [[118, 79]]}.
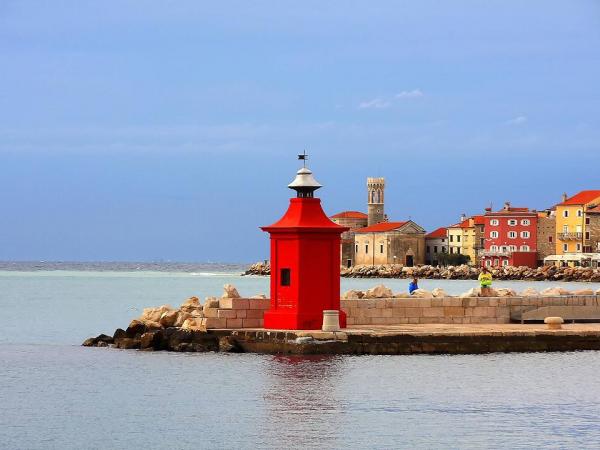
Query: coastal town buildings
{"points": [[574, 240], [390, 243], [436, 243], [467, 237], [510, 237]]}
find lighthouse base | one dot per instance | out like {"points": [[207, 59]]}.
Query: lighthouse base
{"points": [[293, 320]]}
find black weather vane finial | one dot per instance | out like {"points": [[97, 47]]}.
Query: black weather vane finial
{"points": [[303, 157]]}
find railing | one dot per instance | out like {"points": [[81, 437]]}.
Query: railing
{"points": [[570, 236], [496, 253]]}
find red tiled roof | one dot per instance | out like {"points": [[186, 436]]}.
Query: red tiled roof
{"points": [[479, 220], [383, 226], [350, 215], [594, 209], [581, 198], [439, 233]]}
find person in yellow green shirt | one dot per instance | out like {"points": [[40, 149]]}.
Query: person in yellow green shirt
{"points": [[485, 281]]}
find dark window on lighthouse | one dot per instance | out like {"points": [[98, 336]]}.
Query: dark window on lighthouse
{"points": [[286, 276]]}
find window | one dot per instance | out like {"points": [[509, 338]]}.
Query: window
{"points": [[285, 277], [512, 234], [494, 222], [494, 248], [587, 235], [524, 248], [482, 242], [565, 247], [525, 234], [566, 213], [443, 240], [565, 228], [505, 262], [504, 249], [367, 249], [494, 234], [457, 238], [458, 250], [495, 262], [512, 222], [428, 249], [513, 248], [550, 239], [525, 222], [451, 238], [380, 248], [435, 249], [443, 249], [452, 250], [488, 263], [356, 248], [579, 213], [587, 220], [578, 247]]}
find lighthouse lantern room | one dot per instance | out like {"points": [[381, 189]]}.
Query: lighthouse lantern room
{"points": [[305, 261]]}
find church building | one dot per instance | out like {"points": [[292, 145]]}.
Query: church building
{"points": [[373, 240]]}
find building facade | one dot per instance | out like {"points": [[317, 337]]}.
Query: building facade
{"points": [[467, 238], [436, 243], [354, 220], [510, 237], [546, 234], [571, 222], [390, 243]]}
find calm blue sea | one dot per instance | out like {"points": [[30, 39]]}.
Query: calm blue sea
{"points": [[55, 394]]}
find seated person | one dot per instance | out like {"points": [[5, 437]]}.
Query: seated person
{"points": [[413, 286]]}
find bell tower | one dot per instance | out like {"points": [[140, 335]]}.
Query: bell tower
{"points": [[375, 190]]}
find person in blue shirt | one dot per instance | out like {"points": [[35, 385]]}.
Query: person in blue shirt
{"points": [[413, 286]]}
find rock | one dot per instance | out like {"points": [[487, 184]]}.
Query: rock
{"points": [[421, 293], [181, 317], [473, 292], [211, 302], [136, 327], [505, 292], [127, 343], [552, 291], [353, 294], [101, 340], [402, 295], [439, 292], [530, 292], [151, 340], [229, 344], [153, 314], [169, 318], [230, 292], [193, 325], [190, 304], [583, 292], [379, 291]]}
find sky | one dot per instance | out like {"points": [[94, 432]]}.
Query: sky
{"points": [[168, 130]]}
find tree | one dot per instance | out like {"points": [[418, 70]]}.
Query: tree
{"points": [[453, 259]]}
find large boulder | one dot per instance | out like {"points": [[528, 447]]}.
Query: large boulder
{"points": [[379, 291], [154, 314], [193, 325], [191, 304], [229, 291], [439, 292], [210, 302], [169, 318], [473, 292], [505, 292], [530, 292], [583, 292], [353, 294], [421, 293], [553, 291], [181, 317]]}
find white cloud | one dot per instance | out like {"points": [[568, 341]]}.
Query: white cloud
{"points": [[377, 103], [415, 93], [519, 120]]}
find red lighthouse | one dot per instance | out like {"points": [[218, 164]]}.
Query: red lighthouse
{"points": [[305, 262]]}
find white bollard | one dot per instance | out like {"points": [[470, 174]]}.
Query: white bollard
{"points": [[331, 320]]}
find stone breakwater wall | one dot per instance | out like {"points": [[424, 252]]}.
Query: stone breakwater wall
{"points": [[468, 310], [463, 272]]}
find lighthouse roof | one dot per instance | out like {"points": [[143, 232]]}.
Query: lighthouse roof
{"points": [[304, 179], [305, 214]]}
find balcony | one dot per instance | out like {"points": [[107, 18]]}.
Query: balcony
{"points": [[570, 236], [507, 253]]}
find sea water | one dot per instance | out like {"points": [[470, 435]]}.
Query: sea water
{"points": [[56, 394]]}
